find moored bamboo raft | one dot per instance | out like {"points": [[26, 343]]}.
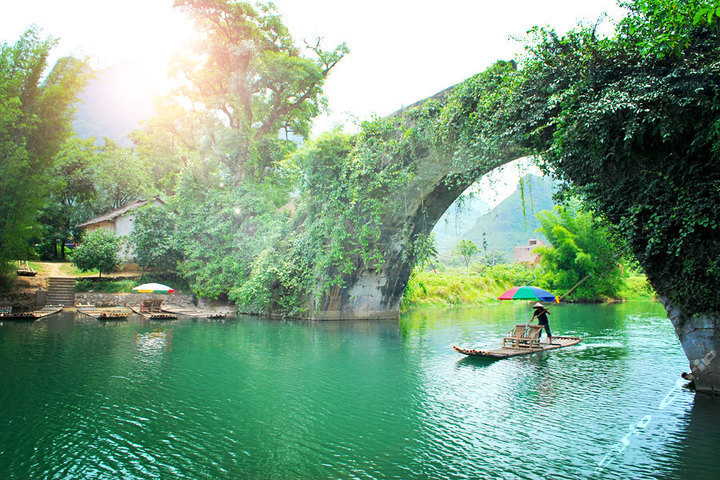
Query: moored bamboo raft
{"points": [[103, 313], [154, 315], [195, 312], [25, 270], [31, 316]]}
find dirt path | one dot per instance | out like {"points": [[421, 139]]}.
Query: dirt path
{"points": [[49, 269]]}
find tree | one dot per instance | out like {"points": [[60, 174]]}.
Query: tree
{"points": [[153, 237], [72, 190], [580, 246], [35, 119], [631, 122], [99, 250], [247, 83], [466, 249], [120, 178], [493, 258], [249, 94], [426, 251]]}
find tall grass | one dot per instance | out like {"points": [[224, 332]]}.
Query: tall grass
{"points": [[463, 286]]}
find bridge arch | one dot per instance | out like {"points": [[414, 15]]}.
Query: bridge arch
{"points": [[377, 293]]}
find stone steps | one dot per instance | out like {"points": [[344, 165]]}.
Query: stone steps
{"points": [[61, 291]]}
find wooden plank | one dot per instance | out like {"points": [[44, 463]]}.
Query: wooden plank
{"points": [[506, 352]]}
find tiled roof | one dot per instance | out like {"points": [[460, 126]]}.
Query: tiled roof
{"points": [[116, 213]]}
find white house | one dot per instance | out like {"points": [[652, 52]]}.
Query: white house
{"points": [[524, 254], [119, 221]]}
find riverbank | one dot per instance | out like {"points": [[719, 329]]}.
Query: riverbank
{"points": [[113, 290], [463, 286]]}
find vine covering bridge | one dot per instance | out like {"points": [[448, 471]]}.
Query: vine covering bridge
{"points": [[646, 162]]}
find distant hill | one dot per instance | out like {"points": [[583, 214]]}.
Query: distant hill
{"points": [[114, 102], [456, 220], [505, 226]]}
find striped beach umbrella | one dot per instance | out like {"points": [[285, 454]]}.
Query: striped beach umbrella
{"points": [[528, 293], [153, 288]]}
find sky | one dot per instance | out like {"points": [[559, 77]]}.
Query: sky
{"points": [[401, 51]]}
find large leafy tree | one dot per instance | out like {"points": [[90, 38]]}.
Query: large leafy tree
{"points": [[248, 95], [246, 84], [36, 108]]}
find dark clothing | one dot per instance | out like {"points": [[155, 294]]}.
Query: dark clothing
{"points": [[547, 329], [543, 321]]}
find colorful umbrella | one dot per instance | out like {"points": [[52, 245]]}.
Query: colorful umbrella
{"points": [[153, 288], [528, 293]]}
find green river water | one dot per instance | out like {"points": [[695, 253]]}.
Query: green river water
{"points": [[252, 398]]}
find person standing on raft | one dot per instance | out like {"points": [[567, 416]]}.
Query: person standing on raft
{"points": [[541, 313]]}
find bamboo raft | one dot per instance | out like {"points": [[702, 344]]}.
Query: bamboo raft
{"points": [[195, 312], [154, 315], [25, 270], [104, 313], [521, 340], [31, 316]]}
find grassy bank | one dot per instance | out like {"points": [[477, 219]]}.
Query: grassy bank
{"points": [[461, 286], [467, 286]]}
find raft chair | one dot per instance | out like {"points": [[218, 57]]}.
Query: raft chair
{"points": [[156, 306], [532, 337], [146, 306], [514, 336]]}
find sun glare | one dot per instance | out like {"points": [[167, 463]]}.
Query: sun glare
{"points": [[163, 40]]}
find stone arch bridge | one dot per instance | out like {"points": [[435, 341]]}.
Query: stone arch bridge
{"points": [[436, 184]]}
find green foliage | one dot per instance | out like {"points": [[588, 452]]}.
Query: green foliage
{"points": [[71, 193], [632, 123], [493, 258], [35, 117], [344, 197], [580, 246], [426, 251], [154, 236], [467, 250], [667, 27], [99, 250], [220, 230], [120, 178], [512, 273], [460, 287], [104, 286]]}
